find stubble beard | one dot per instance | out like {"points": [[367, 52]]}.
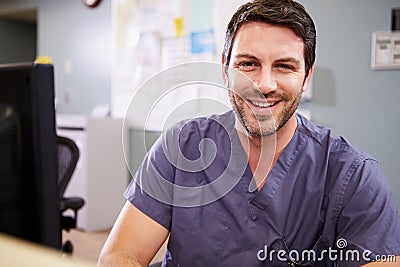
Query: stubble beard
{"points": [[265, 125]]}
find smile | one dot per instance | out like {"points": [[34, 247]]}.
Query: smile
{"points": [[263, 104]]}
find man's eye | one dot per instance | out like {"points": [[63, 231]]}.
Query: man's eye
{"points": [[246, 66], [285, 67]]}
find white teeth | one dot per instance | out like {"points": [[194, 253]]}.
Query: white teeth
{"points": [[263, 104]]}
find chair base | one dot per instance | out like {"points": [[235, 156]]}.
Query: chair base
{"points": [[67, 248]]}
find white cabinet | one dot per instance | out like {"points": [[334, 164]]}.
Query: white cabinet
{"points": [[101, 175]]}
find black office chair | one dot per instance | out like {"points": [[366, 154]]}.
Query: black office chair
{"points": [[67, 158]]}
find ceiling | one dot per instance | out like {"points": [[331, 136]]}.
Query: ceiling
{"points": [[28, 16]]}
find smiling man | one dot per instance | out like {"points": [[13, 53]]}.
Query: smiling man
{"points": [[280, 66], [301, 196]]}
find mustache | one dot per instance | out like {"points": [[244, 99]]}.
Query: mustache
{"points": [[256, 94]]}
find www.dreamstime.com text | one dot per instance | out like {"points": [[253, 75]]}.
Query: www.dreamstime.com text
{"points": [[329, 254]]}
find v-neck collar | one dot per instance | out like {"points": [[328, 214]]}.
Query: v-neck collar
{"points": [[261, 198]]}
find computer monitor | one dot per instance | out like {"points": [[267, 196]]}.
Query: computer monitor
{"points": [[29, 203]]}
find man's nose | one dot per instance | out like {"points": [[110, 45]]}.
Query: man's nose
{"points": [[267, 81]]}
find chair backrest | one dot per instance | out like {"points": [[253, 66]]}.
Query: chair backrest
{"points": [[67, 158]]}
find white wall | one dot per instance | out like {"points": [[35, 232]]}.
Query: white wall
{"points": [[79, 41]]}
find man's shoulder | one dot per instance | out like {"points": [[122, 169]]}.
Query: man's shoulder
{"points": [[226, 119], [203, 127], [337, 146], [346, 165]]}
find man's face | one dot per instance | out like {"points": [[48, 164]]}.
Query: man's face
{"points": [[266, 76]]}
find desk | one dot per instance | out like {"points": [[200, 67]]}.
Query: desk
{"points": [[19, 253]]}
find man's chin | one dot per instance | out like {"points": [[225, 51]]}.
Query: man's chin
{"points": [[262, 131]]}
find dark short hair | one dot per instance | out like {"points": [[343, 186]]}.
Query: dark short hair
{"points": [[285, 13]]}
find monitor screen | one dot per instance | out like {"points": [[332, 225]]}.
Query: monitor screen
{"points": [[29, 203]]}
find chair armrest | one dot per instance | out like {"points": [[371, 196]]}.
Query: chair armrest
{"points": [[74, 203]]}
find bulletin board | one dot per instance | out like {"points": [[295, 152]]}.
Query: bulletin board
{"points": [[150, 36]]}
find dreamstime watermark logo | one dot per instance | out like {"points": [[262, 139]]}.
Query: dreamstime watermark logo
{"points": [[340, 254], [164, 103]]}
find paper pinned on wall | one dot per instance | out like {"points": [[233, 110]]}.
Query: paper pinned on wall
{"points": [[174, 51], [202, 42], [179, 29]]}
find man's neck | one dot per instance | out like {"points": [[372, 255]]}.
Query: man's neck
{"points": [[263, 152]]}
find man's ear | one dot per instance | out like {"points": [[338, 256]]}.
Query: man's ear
{"points": [[223, 70], [307, 81]]}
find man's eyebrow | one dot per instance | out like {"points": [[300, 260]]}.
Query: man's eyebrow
{"points": [[292, 60], [245, 55]]}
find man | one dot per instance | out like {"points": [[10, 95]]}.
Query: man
{"points": [[300, 196]]}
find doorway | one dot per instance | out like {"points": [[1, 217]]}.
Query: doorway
{"points": [[18, 33]]}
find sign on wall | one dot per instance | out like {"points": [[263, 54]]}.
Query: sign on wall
{"points": [[385, 52]]}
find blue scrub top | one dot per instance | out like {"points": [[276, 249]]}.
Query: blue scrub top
{"points": [[323, 198]]}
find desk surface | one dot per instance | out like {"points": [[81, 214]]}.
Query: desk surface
{"points": [[18, 253]]}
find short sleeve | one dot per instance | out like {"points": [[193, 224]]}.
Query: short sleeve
{"points": [[369, 221], [149, 190]]}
